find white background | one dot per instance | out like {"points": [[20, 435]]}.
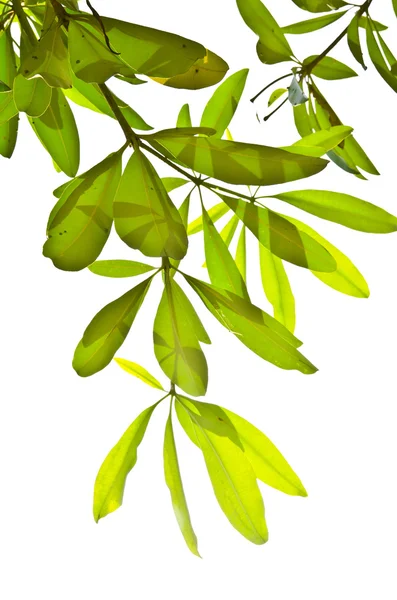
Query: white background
{"points": [[337, 428]]}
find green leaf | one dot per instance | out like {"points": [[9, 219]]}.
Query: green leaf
{"points": [[312, 24], [49, 58], [32, 96], [257, 330], [90, 58], [320, 5], [178, 132], [111, 478], [233, 481], [395, 6], [347, 279], [177, 335], [144, 215], [343, 209], [57, 131], [276, 95], [377, 59], [222, 105], [184, 119], [80, 223], [240, 163], [150, 51], [227, 232], [119, 268], [90, 96], [184, 213], [139, 372], [174, 482], [272, 46], [277, 288], [8, 110], [319, 143], [286, 242], [330, 68], [9, 129], [222, 269], [205, 72], [173, 183], [107, 331], [353, 40], [215, 213], [302, 121], [241, 254], [363, 21]]}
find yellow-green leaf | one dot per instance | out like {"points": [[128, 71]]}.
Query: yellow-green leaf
{"points": [[137, 371], [312, 24], [9, 129], [277, 287], [274, 96], [215, 213], [205, 72], [119, 268], [330, 68], [320, 142], [32, 96]]}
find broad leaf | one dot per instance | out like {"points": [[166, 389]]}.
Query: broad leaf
{"points": [[139, 372], [119, 268], [174, 482], [111, 478], [173, 183], [276, 234], [330, 68], [343, 209], [144, 215], [233, 481], [222, 105], [205, 72], [8, 110], [347, 279], [80, 223], [319, 5], [240, 163], [107, 331], [177, 335], [57, 131], [277, 288], [353, 39], [9, 129], [312, 24], [32, 96]]}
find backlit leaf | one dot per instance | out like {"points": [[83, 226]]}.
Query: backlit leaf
{"points": [[274, 96], [9, 129], [107, 331], [330, 68], [319, 5], [377, 59], [184, 119], [184, 213], [205, 72], [173, 183], [8, 110], [312, 24], [215, 213], [111, 478], [139, 372], [320, 142], [144, 215], [241, 254], [277, 288], [353, 39], [32, 96], [119, 268]]}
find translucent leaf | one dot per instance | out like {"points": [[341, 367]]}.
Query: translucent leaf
{"points": [[184, 119], [174, 482], [302, 121], [320, 142], [347, 279], [178, 132], [107, 331], [277, 288], [144, 215], [57, 131], [222, 269], [205, 72], [274, 96], [272, 46], [240, 163], [8, 110], [139, 372], [184, 213], [119, 268], [222, 105], [276, 234], [241, 254], [343, 209], [353, 39], [173, 183], [257, 330], [32, 96], [215, 213], [377, 59], [233, 481], [320, 5], [363, 21], [9, 129], [330, 68], [111, 478], [80, 223], [312, 24], [176, 336]]}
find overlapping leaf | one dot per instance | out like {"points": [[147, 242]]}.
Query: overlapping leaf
{"points": [[312, 24], [319, 5], [205, 72], [330, 68], [277, 287], [9, 129]]}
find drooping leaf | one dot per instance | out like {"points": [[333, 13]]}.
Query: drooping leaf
{"points": [[222, 105], [57, 131], [119, 268], [272, 46], [227, 232], [363, 20], [343, 209], [353, 39], [177, 335], [144, 215], [107, 331], [205, 72], [139, 372], [302, 121], [9, 129], [312, 24], [32, 96], [274, 96], [241, 254], [233, 481], [277, 287], [184, 119], [395, 6], [174, 482], [320, 5], [346, 279], [321, 142], [184, 213], [111, 478], [240, 163], [80, 223], [286, 242], [330, 68], [377, 59], [257, 330], [8, 110], [215, 213], [173, 183]]}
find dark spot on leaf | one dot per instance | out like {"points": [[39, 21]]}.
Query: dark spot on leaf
{"points": [[35, 57], [78, 62], [60, 233], [183, 45], [83, 35], [223, 420], [197, 70], [26, 71]]}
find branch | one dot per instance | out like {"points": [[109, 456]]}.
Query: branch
{"points": [[23, 21]]}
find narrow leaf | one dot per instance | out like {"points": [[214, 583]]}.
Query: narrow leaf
{"points": [[353, 39], [330, 68], [277, 287], [184, 119], [274, 96], [312, 24], [119, 268], [139, 372], [241, 254], [215, 213]]}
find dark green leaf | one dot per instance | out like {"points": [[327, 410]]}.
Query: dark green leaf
{"points": [[353, 39], [379, 62], [119, 268], [313, 24]]}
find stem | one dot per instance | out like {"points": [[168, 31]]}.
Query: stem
{"points": [[130, 136], [269, 85], [23, 21], [275, 110]]}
